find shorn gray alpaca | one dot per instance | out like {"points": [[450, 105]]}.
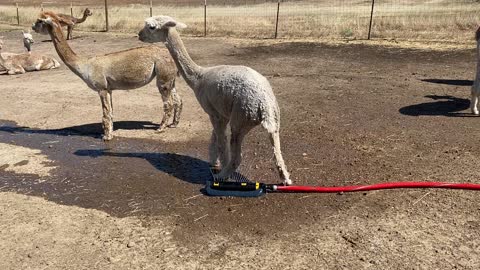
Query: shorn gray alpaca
{"points": [[229, 94], [476, 83]]}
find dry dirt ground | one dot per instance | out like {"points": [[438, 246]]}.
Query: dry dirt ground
{"points": [[351, 114]]}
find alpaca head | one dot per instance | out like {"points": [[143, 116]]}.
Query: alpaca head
{"points": [[87, 12], [45, 22], [27, 40], [156, 28]]}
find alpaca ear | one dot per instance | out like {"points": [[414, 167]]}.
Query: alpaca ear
{"points": [[175, 24], [181, 25], [170, 24]]}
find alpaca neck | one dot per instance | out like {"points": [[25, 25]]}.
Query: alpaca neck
{"points": [[190, 71], [81, 20], [27, 46], [66, 53]]}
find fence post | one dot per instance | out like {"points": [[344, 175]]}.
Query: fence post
{"points": [[106, 16], [151, 8], [371, 20], [276, 21], [205, 19], [71, 9], [18, 16]]}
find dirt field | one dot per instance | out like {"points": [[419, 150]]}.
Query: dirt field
{"points": [[351, 114]]}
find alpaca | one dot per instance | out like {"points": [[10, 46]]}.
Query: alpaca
{"points": [[28, 41], [235, 95], [123, 70], [70, 21], [20, 63], [476, 84]]}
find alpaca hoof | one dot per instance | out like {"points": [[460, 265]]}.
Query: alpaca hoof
{"points": [[107, 138], [173, 125], [215, 170], [475, 112], [287, 182], [161, 130]]}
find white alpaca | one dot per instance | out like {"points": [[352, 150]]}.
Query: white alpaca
{"points": [[28, 41], [228, 94], [476, 84]]}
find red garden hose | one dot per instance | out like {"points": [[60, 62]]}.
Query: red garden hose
{"points": [[392, 185]]}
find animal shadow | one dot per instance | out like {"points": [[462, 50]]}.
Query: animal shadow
{"points": [[185, 168], [450, 82], [441, 106], [94, 130]]}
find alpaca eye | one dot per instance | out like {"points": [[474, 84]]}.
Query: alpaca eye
{"points": [[152, 27]]}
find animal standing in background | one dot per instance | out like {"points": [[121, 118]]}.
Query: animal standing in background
{"points": [[476, 83], [20, 63], [129, 69], [28, 41], [70, 21], [229, 94]]}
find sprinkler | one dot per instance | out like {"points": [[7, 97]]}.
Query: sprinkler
{"points": [[241, 187]]}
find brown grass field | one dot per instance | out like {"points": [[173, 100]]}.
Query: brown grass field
{"points": [[393, 19]]}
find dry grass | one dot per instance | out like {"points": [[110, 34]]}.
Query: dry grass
{"points": [[437, 19]]}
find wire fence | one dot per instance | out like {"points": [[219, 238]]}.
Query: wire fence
{"points": [[352, 19]]}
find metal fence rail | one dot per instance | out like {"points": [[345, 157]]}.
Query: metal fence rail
{"points": [[360, 19]]}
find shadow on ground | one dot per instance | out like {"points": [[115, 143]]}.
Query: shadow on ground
{"points": [[441, 106], [450, 82], [185, 168], [91, 130]]}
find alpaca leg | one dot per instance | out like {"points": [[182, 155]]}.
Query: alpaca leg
{"points": [[16, 70], [474, 101], [213, 152], [166, 93], [219, 142], [238, 134], [177, 108], [282, 168], [107, 120]]}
